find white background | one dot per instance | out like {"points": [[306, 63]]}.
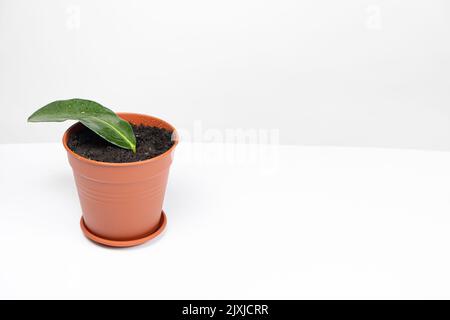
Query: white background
{"points": [[341, 223], [348, 72], [284, 221]]}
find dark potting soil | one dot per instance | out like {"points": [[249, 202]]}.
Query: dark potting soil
{"points": [[150, 142]]}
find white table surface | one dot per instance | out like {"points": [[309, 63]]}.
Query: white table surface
{"points": [[278, 222]]}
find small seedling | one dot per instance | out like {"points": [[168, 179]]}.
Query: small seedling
{"points": [[93, 115]]}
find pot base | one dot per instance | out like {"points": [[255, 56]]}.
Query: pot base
{"points": [[124, 243]]}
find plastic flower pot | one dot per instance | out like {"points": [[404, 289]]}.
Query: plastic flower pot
{"points": [[122, 203]]}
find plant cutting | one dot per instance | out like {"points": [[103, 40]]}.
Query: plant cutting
{"points": [[121, 165]]}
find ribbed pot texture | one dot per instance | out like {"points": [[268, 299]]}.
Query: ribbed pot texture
{"points": [[122, 201]]}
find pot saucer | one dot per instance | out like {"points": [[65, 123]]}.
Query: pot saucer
{"points": [[124, 243]]}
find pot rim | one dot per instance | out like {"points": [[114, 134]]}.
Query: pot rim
{"points": [[122, 164]]}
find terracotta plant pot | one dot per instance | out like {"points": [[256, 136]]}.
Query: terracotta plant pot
{"points": [[122, 202]]}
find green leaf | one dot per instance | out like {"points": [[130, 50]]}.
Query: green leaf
{"points": [[93, 115]]}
